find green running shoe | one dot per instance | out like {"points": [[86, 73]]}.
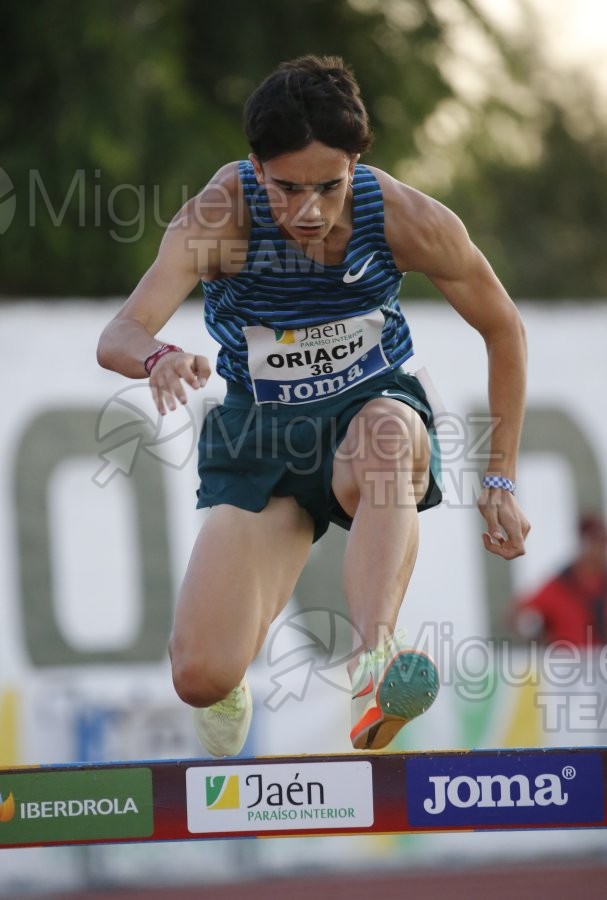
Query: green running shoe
{"points": [[391, 686], [222, 728]]}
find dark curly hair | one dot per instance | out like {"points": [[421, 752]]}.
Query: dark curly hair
{"points": [[307, 99]]}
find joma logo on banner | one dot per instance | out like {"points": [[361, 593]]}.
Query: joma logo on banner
{"points": [[464, 791], [468, 790]]}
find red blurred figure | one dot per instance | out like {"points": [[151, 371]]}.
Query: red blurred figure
{"points": [[572, 606]]}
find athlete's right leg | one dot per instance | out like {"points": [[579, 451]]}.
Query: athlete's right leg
{"points": [[243, 569]]}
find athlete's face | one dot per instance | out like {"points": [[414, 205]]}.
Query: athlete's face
{"points": [[307, 189]]}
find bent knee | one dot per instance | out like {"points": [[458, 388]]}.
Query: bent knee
{"points": [[386, 453], [198, 681], [390, 435]]}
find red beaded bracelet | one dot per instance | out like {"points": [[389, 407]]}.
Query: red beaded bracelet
{"points": [[152, 359]]}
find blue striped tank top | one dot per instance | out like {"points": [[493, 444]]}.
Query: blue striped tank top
{"points": [[282, 289]]}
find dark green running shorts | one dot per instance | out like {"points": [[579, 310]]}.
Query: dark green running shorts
{"points": [[249, 452]]}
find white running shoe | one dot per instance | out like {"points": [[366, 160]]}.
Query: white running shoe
{"points": [[222, 728]]}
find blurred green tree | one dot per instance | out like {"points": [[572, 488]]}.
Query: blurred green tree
{"points": [[541, 221], [113, 113]]}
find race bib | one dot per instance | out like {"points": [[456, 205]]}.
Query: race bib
{"points": [[302, 365]]}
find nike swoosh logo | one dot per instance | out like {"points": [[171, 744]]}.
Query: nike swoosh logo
{"points": [[349, 277], [365, 690], [410, 401], [398, 395]]}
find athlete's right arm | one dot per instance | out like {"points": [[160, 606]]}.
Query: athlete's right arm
{"points": [[189, 251]]}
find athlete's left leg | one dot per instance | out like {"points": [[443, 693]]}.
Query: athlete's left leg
{"points": [[380, 474]]}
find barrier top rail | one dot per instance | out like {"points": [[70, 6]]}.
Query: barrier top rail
{"points": [[379, 793]]}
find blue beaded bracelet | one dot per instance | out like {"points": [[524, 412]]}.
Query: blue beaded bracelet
{"points": [[498, 481]]}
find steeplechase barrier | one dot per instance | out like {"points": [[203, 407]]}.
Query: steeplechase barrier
{"points": [[262, 797]]}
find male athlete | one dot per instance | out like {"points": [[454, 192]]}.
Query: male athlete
{"points": [[301, 251]]}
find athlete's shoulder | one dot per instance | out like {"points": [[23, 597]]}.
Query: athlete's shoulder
{"points": [[409, 206], [217, 211], [220, 199], [227, 178], [211, 228], [419, 228]]}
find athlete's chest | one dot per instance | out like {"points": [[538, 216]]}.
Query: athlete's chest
{"points": [[330, 252]]}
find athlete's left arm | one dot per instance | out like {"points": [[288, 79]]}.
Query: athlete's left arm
{"points": [[435, 242]]}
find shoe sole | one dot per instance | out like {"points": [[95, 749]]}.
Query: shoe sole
{"points": [[408, 688]]}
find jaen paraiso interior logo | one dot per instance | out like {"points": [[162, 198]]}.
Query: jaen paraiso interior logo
{"points": [[222, 792]]}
